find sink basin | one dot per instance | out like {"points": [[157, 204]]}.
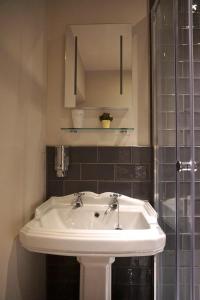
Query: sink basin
{"points": [[96, 233], [59, 228]]}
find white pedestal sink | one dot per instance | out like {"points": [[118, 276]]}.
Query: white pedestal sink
{"points": [[59, 227], [95, 277]]}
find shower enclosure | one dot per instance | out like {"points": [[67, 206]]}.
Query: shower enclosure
{"points": [[176, 118]]}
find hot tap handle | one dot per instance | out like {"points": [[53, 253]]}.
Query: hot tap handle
{"points": [[79, 194], [115, 195]]}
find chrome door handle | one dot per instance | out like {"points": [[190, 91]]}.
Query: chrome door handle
{"points": [[185, 166]]}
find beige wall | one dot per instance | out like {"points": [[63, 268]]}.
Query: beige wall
{"points": [[22, 148], [63, 12]]}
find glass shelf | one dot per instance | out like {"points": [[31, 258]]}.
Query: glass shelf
{"points": [[102, 108], [100, 129]]}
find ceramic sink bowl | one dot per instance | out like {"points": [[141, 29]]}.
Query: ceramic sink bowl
{"points": [[90, 230]]}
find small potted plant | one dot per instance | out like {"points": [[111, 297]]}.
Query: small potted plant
{"points": [[105, 119]]}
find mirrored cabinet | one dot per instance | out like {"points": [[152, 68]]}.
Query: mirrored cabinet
{"points": [[98, 66]]}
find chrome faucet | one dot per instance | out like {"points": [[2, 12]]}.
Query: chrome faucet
{"points": [[78, 202], [113, 205]]}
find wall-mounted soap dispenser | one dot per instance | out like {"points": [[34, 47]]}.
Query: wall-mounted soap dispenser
{"points": [[61, 160]]}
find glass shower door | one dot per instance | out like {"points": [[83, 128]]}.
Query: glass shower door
{"points": [[174, 143]]}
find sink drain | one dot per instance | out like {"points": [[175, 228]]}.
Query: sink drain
{"points": [[96, 214]]}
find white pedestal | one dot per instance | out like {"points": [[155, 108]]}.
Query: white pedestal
{"points": [[95, 277]]}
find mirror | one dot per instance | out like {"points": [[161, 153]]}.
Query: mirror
{"points": [[98, 66]]}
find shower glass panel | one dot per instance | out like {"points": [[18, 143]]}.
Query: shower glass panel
{"points": [[164, 88], [184, 150], [176, 102]]}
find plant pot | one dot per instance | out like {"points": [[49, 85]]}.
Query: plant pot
{"points": [[77, 118], [105, 123]]}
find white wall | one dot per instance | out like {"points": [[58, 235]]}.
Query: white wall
{"points": [[64, 12], [22, 148]]}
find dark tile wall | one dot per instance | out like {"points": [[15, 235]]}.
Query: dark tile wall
{"points": [[125, 170]]}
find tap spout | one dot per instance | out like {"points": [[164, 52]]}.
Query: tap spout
{"points": [[78, 202]]}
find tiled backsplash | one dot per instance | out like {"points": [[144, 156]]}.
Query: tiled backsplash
{"points": [[125, 170]]}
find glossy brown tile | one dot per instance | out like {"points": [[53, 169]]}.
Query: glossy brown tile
{"points": [[70, 187], [73, 172], [132, 172], [114, 154], [123, 188], [83, 154], [142, 190], [97, 172], [142, 155]]}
